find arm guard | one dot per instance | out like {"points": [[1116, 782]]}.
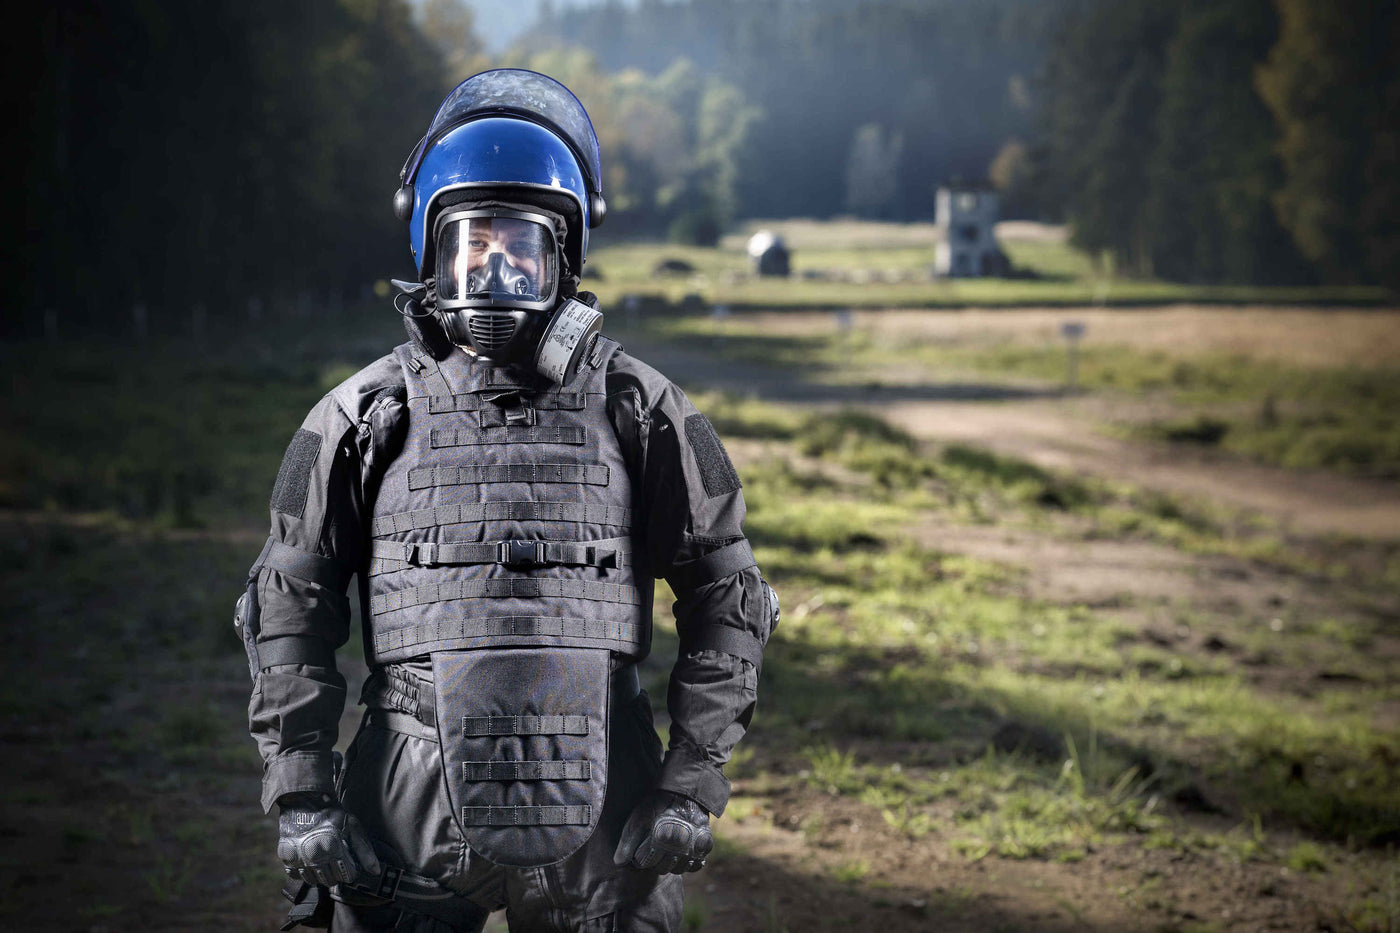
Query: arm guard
{"points": [[295, 612], [693, 514]]}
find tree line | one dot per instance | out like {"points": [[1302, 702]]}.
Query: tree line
{"points": [[208, 159], [230, 156], [864, 107], [1239, 141], [1227, 140]]}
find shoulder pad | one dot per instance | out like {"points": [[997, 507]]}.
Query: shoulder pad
{"points": [[626, 371], [381, 379]]}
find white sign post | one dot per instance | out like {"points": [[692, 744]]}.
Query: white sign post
{"points": [[1073, 332]]}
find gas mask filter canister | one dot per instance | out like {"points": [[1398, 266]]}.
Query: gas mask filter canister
{"points": [[568, 337]]}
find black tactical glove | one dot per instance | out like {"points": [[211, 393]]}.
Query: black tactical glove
{"points": [[666, 833], [322, 844]]}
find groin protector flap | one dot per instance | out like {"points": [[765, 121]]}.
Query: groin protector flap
{"points": [[525, 745]]}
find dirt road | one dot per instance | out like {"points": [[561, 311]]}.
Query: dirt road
{"points": [[1059, 433]]}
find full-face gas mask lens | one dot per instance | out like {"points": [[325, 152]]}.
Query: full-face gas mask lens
{"points": [[495, 260]]}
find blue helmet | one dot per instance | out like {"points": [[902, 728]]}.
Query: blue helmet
{"points": [[506, 135]]}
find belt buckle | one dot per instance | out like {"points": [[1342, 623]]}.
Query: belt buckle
{"points": [[389, 883], [517, 554]]}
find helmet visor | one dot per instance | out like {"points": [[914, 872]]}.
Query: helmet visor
{"points": [[495, 258]]}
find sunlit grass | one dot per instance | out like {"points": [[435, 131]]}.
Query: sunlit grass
{"points": [[898, 663], [887, 641], [866, 265], [1344, 417]]}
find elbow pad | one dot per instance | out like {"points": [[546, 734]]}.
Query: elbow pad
{"points": [[288, 649], [770, 600], [245, 622]]}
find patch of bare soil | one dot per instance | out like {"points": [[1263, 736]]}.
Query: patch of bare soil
{"points": [[1232, 605], [814, 862], [1038, 430], [1312, 337], [1107, 573]]}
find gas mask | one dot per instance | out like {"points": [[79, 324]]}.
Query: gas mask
{"points": [[497, 289]]}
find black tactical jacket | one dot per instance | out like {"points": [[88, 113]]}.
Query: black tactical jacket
{"points": [[687, 499]]}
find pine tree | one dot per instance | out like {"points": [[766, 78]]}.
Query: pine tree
{"points": [[1333, 85]]}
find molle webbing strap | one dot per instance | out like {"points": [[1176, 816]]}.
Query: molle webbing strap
{"points": [[507, 417], [515, 511], [497, 378], [551, 770], [513, 434], [306, 566], [504, 588], [527, 816], [559, 401], [432, 376], [611, 552], [295, 649], [524, 725], [716, 565], [624, 637], [725, 639], [589, 474]]}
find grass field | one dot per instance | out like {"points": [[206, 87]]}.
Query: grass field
{"points": [[848, 264], [1002, 696], [1289, 387]]}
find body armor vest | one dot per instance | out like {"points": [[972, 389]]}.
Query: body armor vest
{"points": [[503, 547]]}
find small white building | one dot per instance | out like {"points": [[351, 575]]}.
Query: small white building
{"points": [[769, 254], [968, 217]]}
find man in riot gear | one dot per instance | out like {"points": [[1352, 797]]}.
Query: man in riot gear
{"points": [[505, 487]]}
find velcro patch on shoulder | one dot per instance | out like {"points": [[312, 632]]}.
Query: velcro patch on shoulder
{"points": [[716, 469], [294, 476]]}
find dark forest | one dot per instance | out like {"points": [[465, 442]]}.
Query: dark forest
{"points": [[223, 157]]}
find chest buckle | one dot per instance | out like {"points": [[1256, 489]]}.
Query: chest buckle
{"points": [[520, 554]]}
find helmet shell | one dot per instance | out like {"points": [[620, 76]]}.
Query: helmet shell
{"points": [[492, 152]]}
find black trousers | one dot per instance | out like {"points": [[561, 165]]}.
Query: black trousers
{"points": [[394, 782]]}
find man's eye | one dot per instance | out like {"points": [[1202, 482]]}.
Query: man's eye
{"points": [[478, 243]]}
